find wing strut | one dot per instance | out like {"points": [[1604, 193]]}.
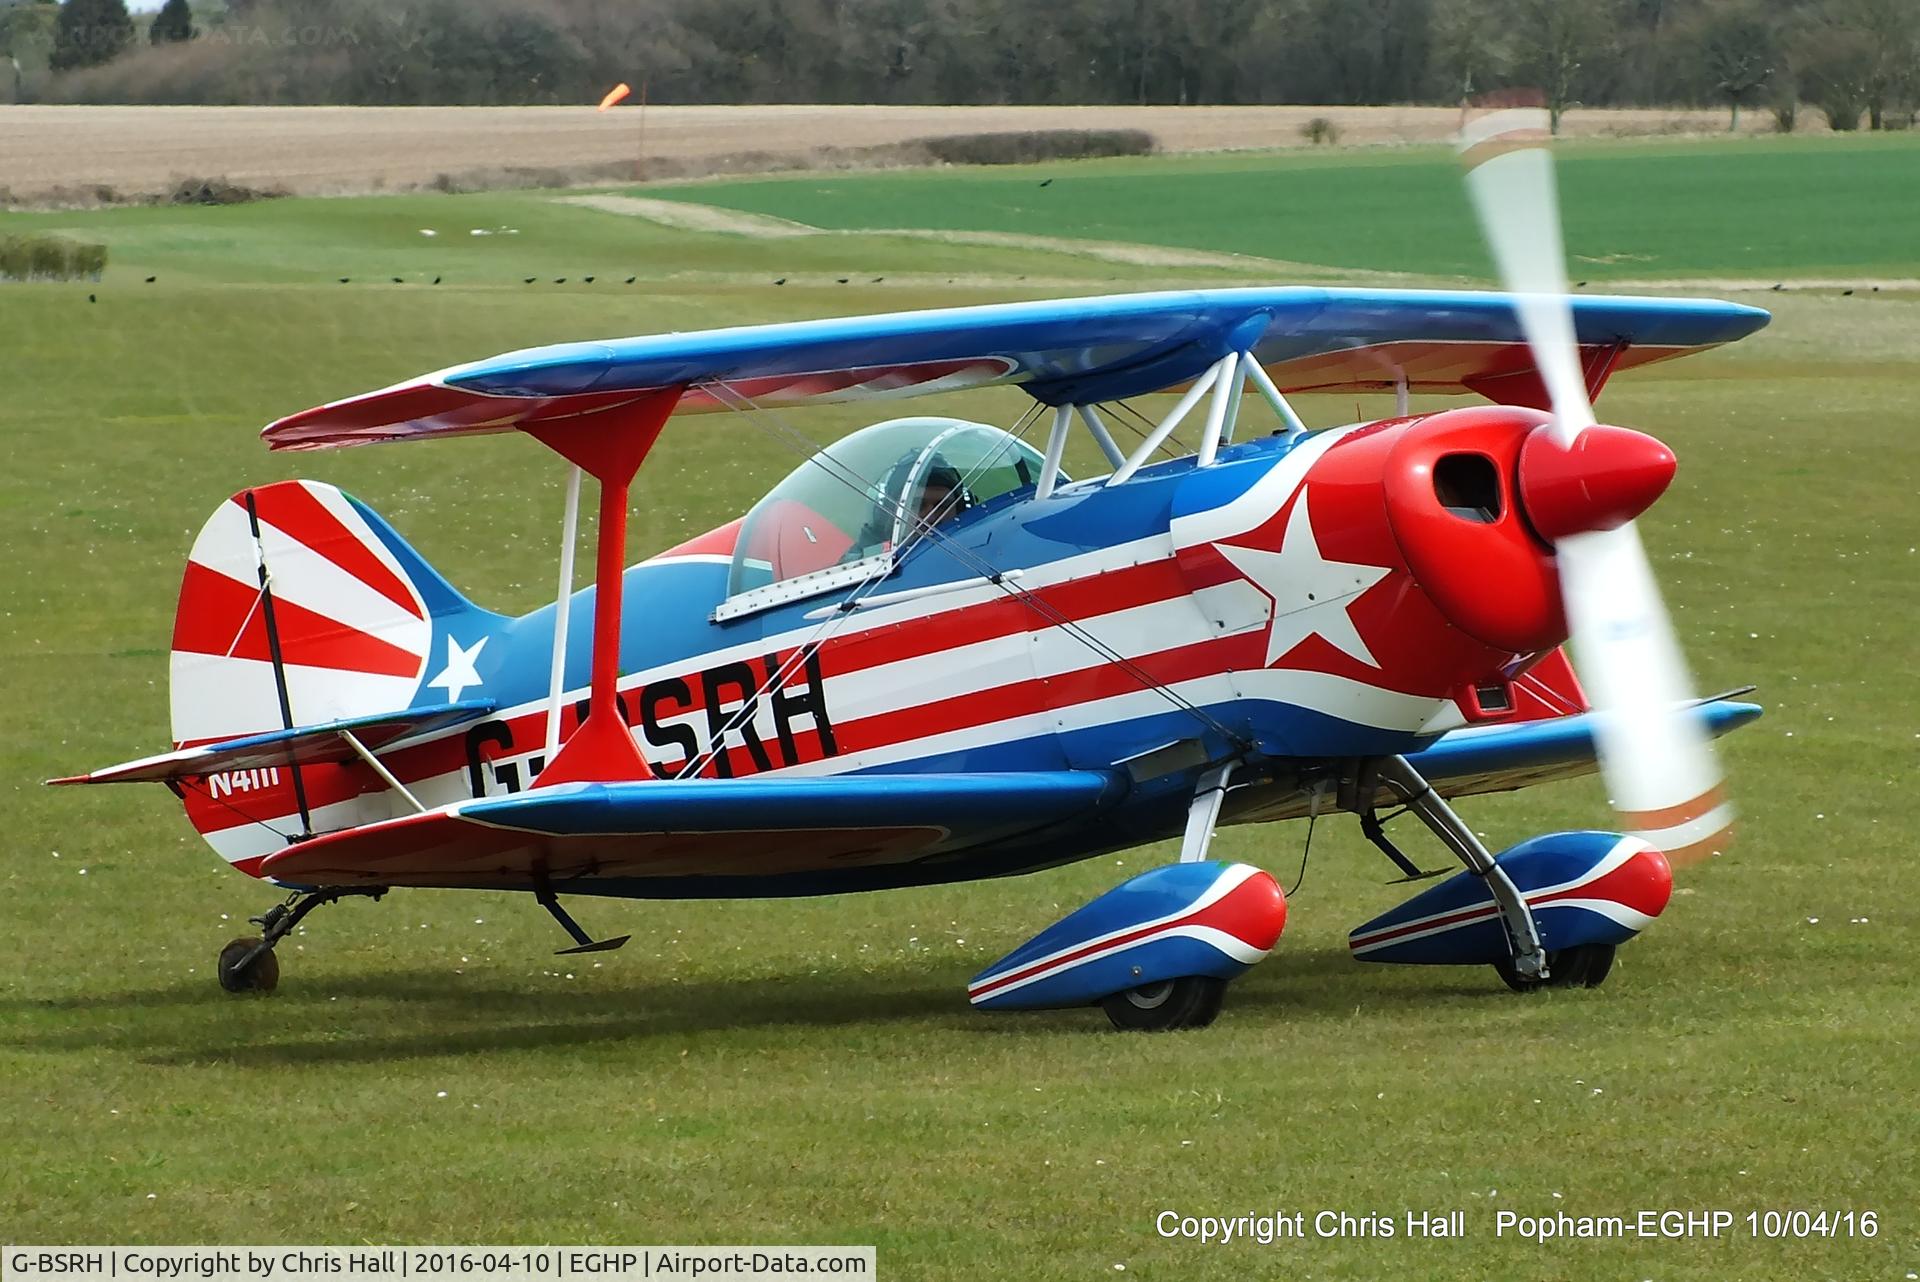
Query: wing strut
{"points": [[610, 444], [569, 535], [1264, 381]]}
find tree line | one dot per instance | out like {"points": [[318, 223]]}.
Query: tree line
{"points": [[1856, 61]]}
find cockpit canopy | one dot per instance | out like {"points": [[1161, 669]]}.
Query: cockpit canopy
{"points": [[870, 493]]}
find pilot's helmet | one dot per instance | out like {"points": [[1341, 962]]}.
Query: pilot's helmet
{"points": [[908, 481], [944, 475]]}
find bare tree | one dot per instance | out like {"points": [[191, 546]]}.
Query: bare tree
{"points": [[1890, 75], [1470, 52], [1860, 53], [1557, 44], [1739, 52], [1836, 64]]}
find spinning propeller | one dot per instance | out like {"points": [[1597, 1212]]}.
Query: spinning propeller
{"points": [[1581, 484]]}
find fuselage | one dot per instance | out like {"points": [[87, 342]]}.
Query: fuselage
{"points": [[1261, 607]]}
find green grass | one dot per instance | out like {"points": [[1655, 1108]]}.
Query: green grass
{"points": [[370, 240], [1773, 207], [809, 1071]]}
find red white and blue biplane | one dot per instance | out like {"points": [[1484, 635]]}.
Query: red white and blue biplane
{"points": [[930, 656]]}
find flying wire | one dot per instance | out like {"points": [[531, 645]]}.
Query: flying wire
{"points": [[1165, 447], [207, 792]]}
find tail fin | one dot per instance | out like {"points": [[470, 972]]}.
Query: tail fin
{"points": [[300, 605]]}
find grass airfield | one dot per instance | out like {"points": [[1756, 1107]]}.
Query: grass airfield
{"points": [[769, 1072]]}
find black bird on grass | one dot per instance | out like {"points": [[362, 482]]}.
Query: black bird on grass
{"points": [[345, 279], [1047, 182], [152, 279], [559, 280], [92, 299], [587, 279], [878, 279], [436, 280], [843, 280], [1846, 293], [396, 280], [631, 279], [781, 281], [527, 281]]}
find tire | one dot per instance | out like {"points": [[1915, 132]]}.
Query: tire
{"points": [[1581, 966], [260, 976], [1192, 1001]]}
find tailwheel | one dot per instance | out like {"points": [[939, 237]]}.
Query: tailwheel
{"points": [[1192, 1001], [247, 965], [1581, 966]]}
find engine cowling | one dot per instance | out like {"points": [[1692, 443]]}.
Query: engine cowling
{"points": [[1477, 496], [1451, 483]]}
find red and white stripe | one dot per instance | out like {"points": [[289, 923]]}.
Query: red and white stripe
{"points": [[353, 631], [1244, 927], [1616, 887]]}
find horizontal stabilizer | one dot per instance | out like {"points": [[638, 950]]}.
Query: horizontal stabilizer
{"points": [[728, 828], [300, 746]]}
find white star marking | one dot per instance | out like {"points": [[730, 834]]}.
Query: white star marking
{"points": [[459, 672], [1310, 594]]}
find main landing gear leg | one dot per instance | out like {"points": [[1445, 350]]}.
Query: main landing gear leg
{"points": [[1192, 1001], [1204, 812], [248, 964], [1399, 777]]}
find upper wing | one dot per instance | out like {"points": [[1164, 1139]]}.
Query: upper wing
{"points": [[693, 828], [1081, 350]]}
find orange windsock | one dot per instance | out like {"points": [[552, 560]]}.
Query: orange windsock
{"points": [[615, 94]]}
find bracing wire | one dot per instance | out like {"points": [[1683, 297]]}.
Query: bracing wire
{"points": [[1165, 447]]}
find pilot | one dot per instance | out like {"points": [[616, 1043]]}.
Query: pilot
{"points": [[937, 503], [943, 496]]}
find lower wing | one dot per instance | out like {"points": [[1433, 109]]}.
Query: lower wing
{"points": [[685, 828], [1501, 758]]}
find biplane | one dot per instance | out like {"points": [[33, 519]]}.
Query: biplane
{"points": [[929, 655]]}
